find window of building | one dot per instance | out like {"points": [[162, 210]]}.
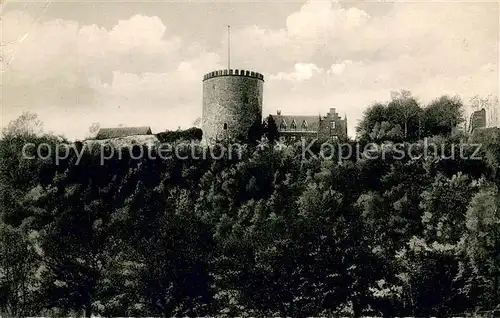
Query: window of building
{"points": [[304, 125], [332, 124], [283, 124], [293, 125], [225, 126]]}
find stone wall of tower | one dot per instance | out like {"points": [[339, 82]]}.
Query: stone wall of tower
{"points": [[232, 104]]}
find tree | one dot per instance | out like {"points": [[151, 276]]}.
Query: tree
{"points": [[372, 115], [406, 111], [189, 134], [196, 122], [19, 262], [402, 110], [427, 279], [255, 132], [26, 124], [480, 245], [442, 115], [73, 216], [385, 131], [271, 129], [93, 130], [166, 242], [444, 205], [272, 231]]}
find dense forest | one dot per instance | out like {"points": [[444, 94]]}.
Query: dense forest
{"points": [[269, 233]]}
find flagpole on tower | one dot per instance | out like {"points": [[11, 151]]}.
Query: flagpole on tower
{"points": [[228, 47]]}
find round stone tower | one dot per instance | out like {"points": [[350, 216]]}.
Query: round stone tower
{"points": [[232, 104]]}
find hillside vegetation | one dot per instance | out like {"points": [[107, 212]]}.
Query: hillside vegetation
{"points": [[273, 233]]}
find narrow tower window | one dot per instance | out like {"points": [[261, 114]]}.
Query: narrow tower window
{"points": [[225, 126], [332, 124]]}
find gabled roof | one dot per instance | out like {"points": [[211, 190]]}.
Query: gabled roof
{"points": [[312, 121], [117, 132]]}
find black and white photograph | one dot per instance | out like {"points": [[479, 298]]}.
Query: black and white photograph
{"points": [[249, 158]]}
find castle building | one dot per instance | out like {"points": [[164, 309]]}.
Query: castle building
{"points": [[477, 119], [294, 127], [119, 132], [232, 104], [232, 108]]}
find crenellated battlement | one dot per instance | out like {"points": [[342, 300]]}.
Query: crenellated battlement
{"points": [[233, 72]]}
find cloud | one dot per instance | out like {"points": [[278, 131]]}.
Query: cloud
{"points": [[139, 31], [323, 55], [327, 30], [360, 57], [134, 72], [338, 68], [302, 72], [314, 28], [317, 19]]}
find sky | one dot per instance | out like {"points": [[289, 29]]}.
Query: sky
{"points": [[141, 63]]}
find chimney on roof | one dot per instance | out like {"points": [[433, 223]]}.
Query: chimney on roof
{"points": [[278, 112]]}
